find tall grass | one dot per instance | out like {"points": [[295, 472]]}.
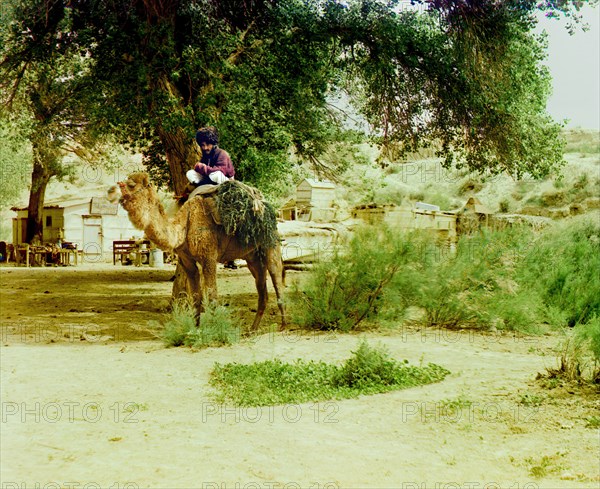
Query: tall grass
{"points": [[216, 327], [563, 264], [350, 288], [475, 286], [513, 279], [580, 356]]}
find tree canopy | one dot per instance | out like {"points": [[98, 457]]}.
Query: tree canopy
{"points": [[465, 76]]}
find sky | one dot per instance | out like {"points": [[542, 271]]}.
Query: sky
{"points": [[574, 63]]}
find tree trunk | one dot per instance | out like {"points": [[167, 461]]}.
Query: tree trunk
{"points": [[181, 155], [180, 147], [35, 211]]}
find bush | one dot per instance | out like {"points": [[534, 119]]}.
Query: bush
{"points": [[590, 332], [580, 358], [342, 293], [563, 265], [373, 370], [470, 186], [216, 326], [513, 279], [367, 367], [383, 274], [475, 286]]}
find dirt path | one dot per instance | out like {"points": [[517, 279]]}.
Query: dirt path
{"points": [[87, 400]]}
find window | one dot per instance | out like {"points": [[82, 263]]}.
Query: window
{"points": [[48, 221]]}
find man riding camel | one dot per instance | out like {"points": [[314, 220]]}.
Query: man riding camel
{"points": [[215, 166]]}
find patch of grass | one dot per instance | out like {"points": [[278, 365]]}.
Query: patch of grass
{"points": [[531, 400], [450, 410], [368, 371], [546, 465], [453, 405], [593, 422], [216, 327]]}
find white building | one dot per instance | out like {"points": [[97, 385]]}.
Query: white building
{"points": [[91, 223]]}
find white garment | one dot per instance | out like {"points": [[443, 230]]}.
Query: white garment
{"points": [[217, 176]]}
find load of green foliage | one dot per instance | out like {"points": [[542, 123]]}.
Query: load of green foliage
{"points": [[245, 215]]}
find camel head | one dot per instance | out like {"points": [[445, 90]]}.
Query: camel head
{"points": [[138, 198]]}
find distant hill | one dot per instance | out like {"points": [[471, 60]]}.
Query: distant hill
{"points": [[422, 178]]}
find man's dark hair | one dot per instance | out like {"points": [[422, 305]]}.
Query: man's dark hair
{"points": [[207, 135]]}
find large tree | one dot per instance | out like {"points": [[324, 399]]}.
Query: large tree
{"points": [[47, 91], [461, 74]]}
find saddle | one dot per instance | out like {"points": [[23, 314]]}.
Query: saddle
{"points": [[203, 190]]}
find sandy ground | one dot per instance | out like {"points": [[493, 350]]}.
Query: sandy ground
{"points": [[90, 398]]}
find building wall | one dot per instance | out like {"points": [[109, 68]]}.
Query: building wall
{"points": [[315, 194], [407, 218], [94, 234]]}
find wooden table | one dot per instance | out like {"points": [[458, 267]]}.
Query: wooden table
{"points": [[122, 249], [65, 255], [30, 255]]}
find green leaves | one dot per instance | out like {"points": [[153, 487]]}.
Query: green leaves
{"points": [[462, 76], [368, 371]]}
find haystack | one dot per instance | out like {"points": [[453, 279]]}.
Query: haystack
{"points": [[245, 214]]}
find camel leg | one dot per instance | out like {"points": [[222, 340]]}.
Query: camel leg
{"points": [[276, 271], [209, 280], [258, 269], [194, 284]]}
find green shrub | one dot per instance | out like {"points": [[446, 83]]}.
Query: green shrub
{"points": [[178, 323], [585, 351], [563, 264], [367, 371], [475, 286], [578, 360], [553, 199], [342, 293], [373, 370], [216, 326], [470, 186], [367, 367], [513, 279], [590, 332], [519, 311]]}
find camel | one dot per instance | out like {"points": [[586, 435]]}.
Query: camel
{"points": [[196, 235]]}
